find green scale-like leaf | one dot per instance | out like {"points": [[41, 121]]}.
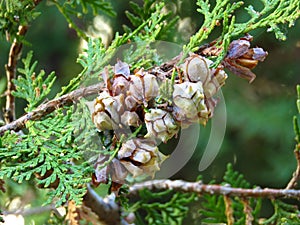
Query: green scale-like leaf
{"points": [[165, 207], [31, 87], [47, 151], [274, 15]]}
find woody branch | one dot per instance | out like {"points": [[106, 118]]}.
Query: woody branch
{"points": [[106, 209], [48, 107], [199, 188]]}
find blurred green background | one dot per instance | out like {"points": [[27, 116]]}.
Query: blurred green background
{"points": [[259, 138]]}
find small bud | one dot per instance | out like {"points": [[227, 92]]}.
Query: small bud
{"points": [[130, 218], [140, 157], [143, 87], [120, 81], [37, 92], [259, 54], [189, 105], [33, 76], [102, 121], [131, 168], [130, 103], [101, 173], [216, 81], [120, 85], [107, 111], [119, 173], [127, 149], [196, 68], [115, 169], [237, 48], [189, 97], [130, 119], [122, 68], [220, 75], [151, 87], [160, 124]]}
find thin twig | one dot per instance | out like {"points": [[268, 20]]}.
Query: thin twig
{"points": [[247, 211], [228, 210], [33, 211], [11, 69], [296, 175], [48, 107], [199, 188], [2, 185]]}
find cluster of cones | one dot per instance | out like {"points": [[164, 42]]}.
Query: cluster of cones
{"points": [[132, 101]]}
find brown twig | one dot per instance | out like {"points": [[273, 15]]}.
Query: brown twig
{"points": [[199, 188], [228, 210], [33, 211], [296, 175], [247, 211], [11, 69], [2, 185], [50, 106]]}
